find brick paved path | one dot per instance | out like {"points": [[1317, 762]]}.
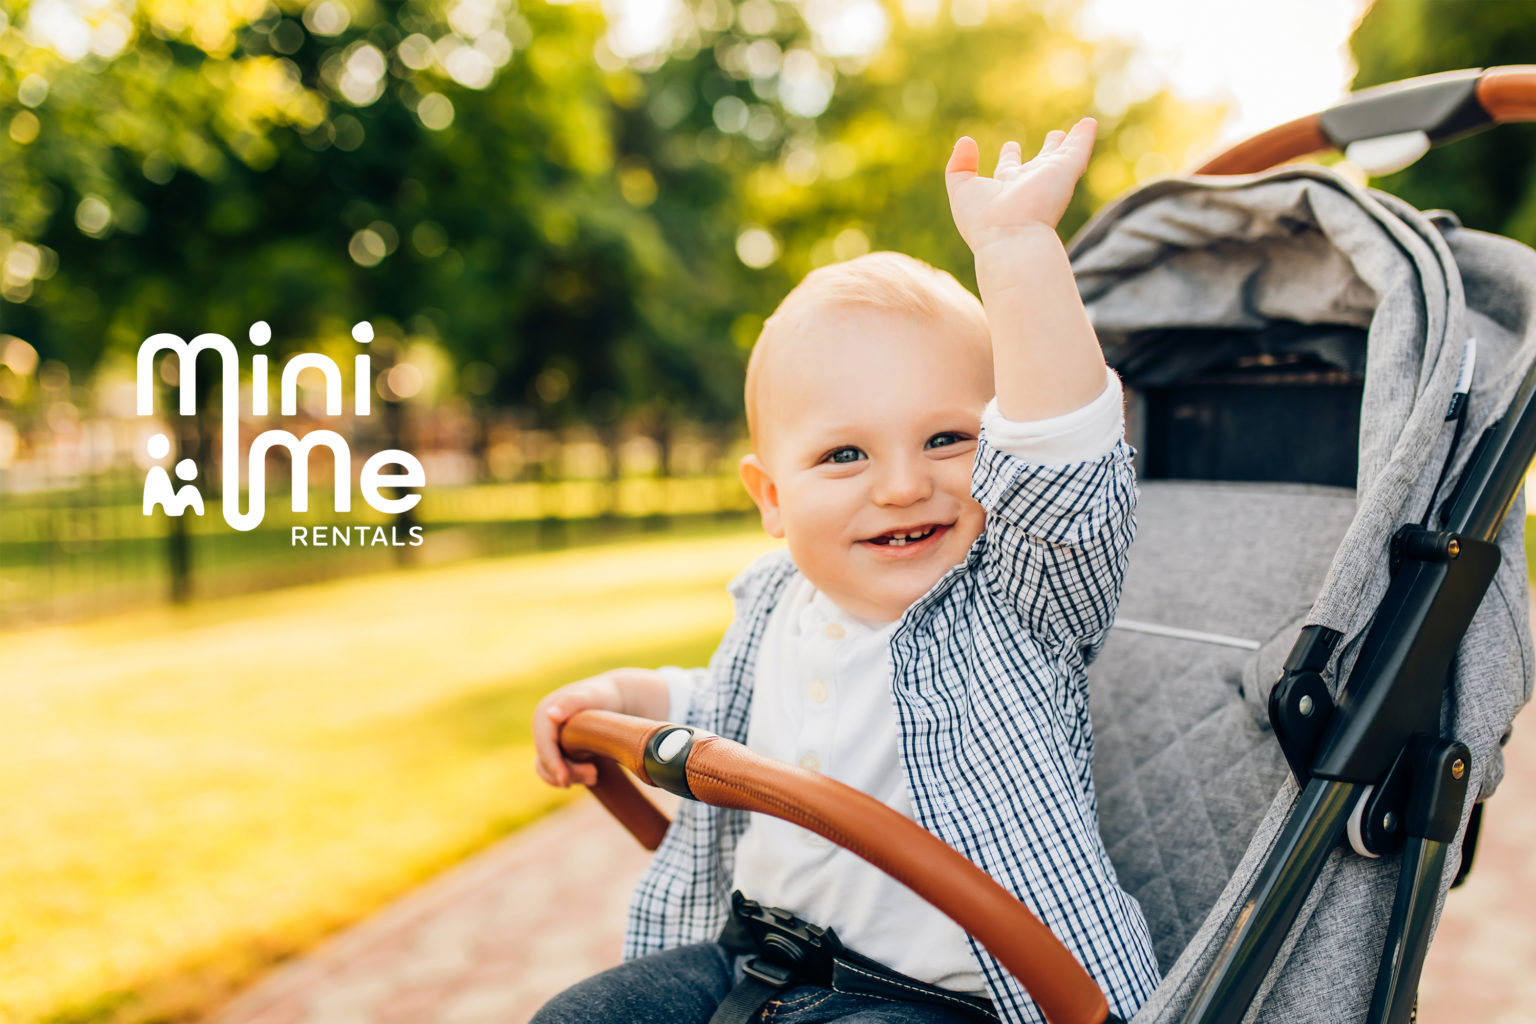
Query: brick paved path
{"points": [[492, 939], [488, 941]]}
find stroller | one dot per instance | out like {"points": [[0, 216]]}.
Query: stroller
{"points": [[1320, 646]]}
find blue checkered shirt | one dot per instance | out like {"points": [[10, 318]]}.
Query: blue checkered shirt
{"points": [[990, 687]]}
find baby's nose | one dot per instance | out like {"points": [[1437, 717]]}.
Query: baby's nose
{"points": [[903, 484]]}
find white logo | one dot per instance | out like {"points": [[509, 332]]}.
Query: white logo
{"points": [[160, 492]]}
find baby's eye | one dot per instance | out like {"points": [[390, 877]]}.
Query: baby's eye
{"points": [[847, 453], [948, 437]]}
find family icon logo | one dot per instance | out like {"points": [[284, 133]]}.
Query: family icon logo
{"points": [[160, 492]]}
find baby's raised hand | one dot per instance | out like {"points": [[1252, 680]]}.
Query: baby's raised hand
{"points": [[1019, 196]]}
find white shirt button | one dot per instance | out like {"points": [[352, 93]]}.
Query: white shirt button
{"points": [[834, 630], [817, 692], [811, 763]]}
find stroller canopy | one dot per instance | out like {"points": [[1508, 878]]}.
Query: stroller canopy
{"points": [[1294, 277]]}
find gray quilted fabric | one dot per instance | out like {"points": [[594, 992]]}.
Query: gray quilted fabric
{"points": [[1185, 765]]}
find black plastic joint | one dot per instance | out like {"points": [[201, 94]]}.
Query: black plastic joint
{"points": [[1441, 772], [1300, 709], [1426, 545], [1300, 706], [666, 759]]}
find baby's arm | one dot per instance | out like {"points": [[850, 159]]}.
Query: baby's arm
{"points": [[1060, 515], [629, 691], [1044, 350]]}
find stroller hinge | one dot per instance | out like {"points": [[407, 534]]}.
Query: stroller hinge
{"points": [[1398, 679], [1300, 706], [1420, 797], [1437, 773], [1299, 710]]}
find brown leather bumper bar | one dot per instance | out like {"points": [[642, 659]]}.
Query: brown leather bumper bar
{"points": [[728, 774], [1505, 95]]}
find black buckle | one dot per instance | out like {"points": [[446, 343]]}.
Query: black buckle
{"points": [[783, 944], [767, 972]]}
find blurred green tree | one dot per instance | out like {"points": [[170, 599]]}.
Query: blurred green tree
{"points": [[1489, 180], [587, 231], [448, 174]]}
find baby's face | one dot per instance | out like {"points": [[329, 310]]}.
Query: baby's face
{"points": [[866, 433]]}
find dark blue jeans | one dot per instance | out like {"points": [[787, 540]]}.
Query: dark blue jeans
{"points": [[685, 985]]}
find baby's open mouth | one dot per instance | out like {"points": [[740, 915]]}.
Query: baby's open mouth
{"points": [[901, 538]]}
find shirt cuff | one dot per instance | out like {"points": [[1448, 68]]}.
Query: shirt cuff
{"points": [[679, 691], [1078, 436]]}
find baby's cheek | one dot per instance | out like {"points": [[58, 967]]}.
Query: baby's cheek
{"points": [[971, 524]]}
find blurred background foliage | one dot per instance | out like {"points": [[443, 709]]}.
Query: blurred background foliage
{"points": [[557, 232], [590, 237]]}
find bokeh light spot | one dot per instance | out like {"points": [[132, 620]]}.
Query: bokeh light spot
{"points": [[968, 13], [415, 52], [756, 247], [552, 385], [366, 248], [429, 238], [405, 380], [93, 216], [730, 114], [850, 242], [327, 18], [435, 111], [18, 355], [158, 168], [32, 91], [24, 127], [286, 37]]}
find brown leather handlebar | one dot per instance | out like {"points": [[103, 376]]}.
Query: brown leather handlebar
{"points": [[1288, 141], [1506, 94], [727, 774], [613, 741]]}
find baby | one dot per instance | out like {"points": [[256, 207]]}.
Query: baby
{"points": [[954, 561]]}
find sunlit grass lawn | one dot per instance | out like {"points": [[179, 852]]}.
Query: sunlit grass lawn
{"points": [[188, 797]]}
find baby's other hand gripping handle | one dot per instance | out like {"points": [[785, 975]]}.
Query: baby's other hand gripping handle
{"points": [[705, 767]]}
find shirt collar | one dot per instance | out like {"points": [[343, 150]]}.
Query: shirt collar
{"points": [[818, 611]]}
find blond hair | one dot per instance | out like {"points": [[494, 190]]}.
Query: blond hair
{"points": [[889, 281]]}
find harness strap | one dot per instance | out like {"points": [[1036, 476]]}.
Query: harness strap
{"points": [[743, 1001], [787, 951]]}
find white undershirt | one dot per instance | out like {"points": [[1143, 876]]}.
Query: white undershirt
{"points": [[822, 699]]}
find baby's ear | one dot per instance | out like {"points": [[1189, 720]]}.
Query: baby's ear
{"points": [[764, 494]]}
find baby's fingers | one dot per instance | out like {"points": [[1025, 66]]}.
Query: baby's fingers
{"points": [[1053, 139], [582, 773], [963, 162], [1008, 156], [1077, 144], [551, 764]]}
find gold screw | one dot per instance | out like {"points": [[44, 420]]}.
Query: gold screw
{"points": [[1458, 768], [1453, 549]]}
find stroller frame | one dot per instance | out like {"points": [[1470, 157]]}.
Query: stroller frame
{"points": [[1384, 732], [1376, 756]]}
